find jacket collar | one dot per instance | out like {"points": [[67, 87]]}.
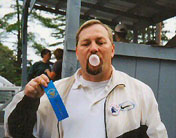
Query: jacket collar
{"points": [[116, 79], [77, 82]]}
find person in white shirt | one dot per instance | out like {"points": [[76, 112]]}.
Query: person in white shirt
{"points": [[101, 102]]}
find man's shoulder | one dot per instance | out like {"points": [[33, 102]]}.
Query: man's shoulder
{"points": [[58, 63], [63, 85], [128, 79], [37, 63], [135, 86], [64, 81]]}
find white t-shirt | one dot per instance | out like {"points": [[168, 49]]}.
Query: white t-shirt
{"points": [[85, 106]]}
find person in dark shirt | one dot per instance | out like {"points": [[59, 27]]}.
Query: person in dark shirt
{"points": [[39, 67], [55, 73]]}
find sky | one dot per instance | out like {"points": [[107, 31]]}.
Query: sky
{"points": [[170, 25]]}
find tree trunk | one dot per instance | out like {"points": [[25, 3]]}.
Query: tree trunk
{"points": [[19, 44]]}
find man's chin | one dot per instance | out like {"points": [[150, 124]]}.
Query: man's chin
{"points": [[94, 70]]}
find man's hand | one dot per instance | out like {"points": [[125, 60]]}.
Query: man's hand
{"points": [[33, 88], [47, 70]]}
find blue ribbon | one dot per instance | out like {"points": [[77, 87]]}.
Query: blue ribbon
{"points": [[56, 101]]}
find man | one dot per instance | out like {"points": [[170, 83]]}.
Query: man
{"points": [[121, 33], [39, 67], [55, 73], [101, 101]]}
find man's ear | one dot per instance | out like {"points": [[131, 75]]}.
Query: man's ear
{"points": [[76, 54], [76, 57], [113, 50]]}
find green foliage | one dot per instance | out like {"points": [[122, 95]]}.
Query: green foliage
{"points": [[1, 23], [55, 44], [8, 68], [9, 16], [38, 46], [44, 20], [31, 37], [164, 37], [16, 6], [130, 36], [35, 45], [57, 23], [12, 27]]}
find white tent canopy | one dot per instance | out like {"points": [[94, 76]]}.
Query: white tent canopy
{"points": [[6, 85], [5, 82]]}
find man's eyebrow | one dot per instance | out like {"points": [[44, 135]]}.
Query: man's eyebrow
{"points": [[101, 38], [84, 40]]}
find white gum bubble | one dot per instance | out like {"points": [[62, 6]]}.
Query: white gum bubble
{"points": [[94, 60]]}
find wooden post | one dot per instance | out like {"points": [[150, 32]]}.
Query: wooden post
{"points": [[69, 64], [135, 36], [158, 33]]}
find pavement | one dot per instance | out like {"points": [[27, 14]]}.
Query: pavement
{"points": [[1, 124], [1, 130]]}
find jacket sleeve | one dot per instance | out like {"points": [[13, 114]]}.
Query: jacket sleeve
{"points": [[151, 116], [21, 119]]}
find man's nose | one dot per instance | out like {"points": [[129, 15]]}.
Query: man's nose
{"points": [[94, 47]]}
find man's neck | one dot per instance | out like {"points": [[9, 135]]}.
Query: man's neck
{"points": [[45, 61]]}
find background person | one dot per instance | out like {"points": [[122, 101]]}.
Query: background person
{"points": [[39, 67], [101, 101], [121, 33], [55, 73]]}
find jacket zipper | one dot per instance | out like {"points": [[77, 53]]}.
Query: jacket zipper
{"points": [[105, 118], [106, 135]]}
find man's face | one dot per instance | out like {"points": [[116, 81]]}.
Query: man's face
{"points": [[95, 40], [47, 57]]}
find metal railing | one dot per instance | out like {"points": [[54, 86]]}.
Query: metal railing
{"points": [[6, 95]]}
